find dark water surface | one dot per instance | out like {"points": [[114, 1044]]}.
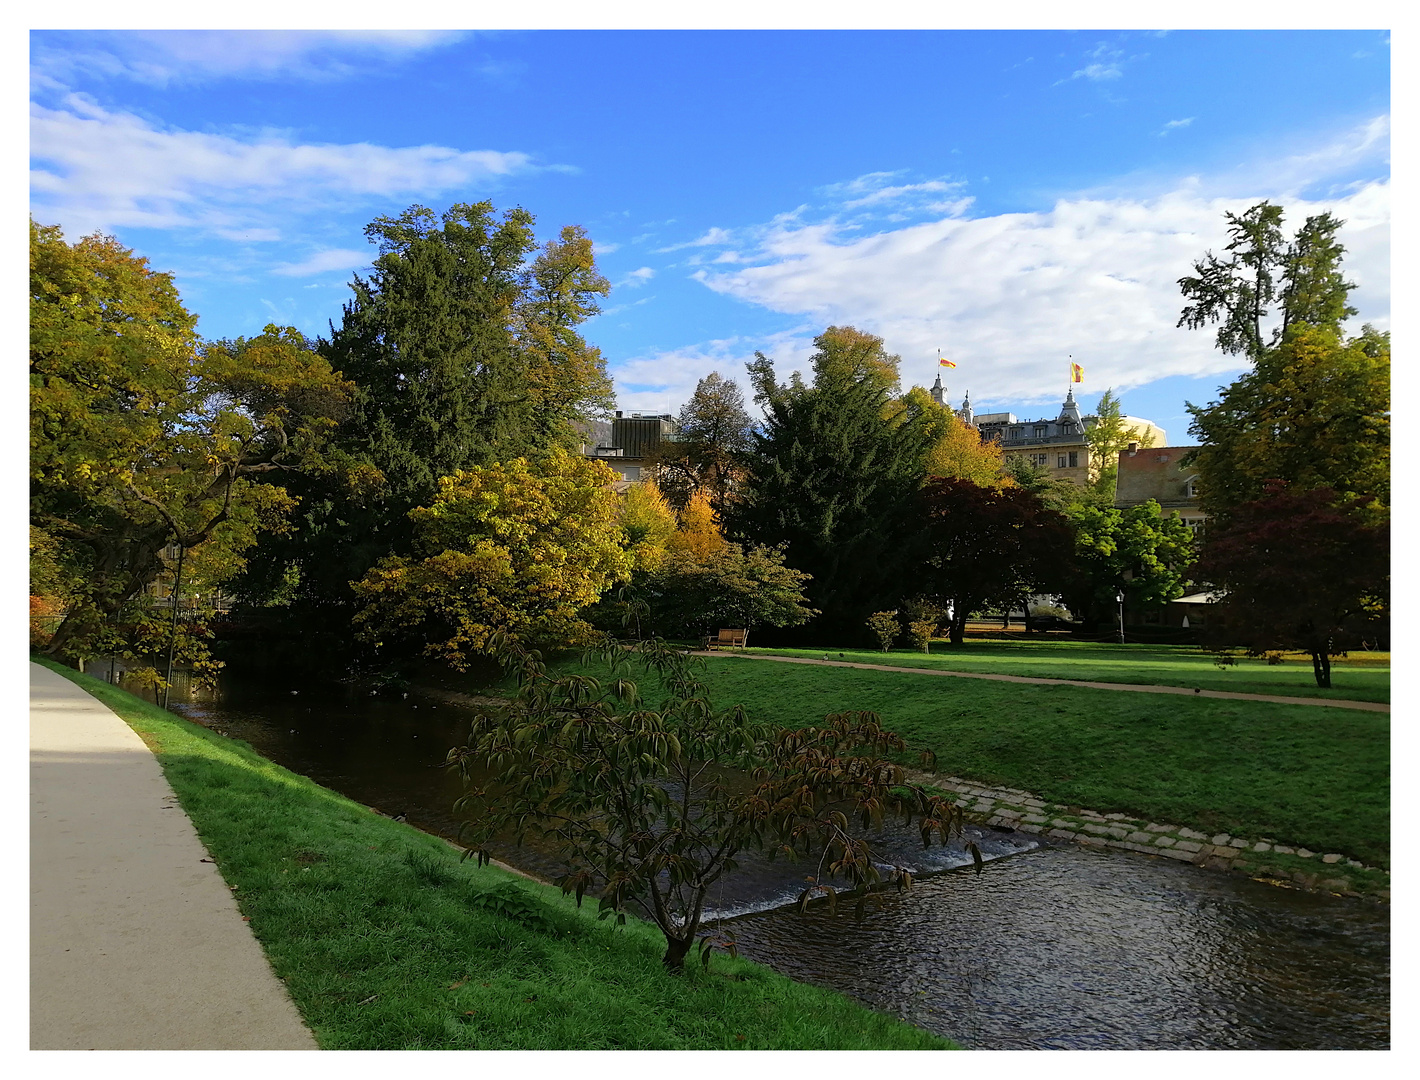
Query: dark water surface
{"points": [[1051, 947]]}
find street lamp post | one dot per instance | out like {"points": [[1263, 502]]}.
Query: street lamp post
{"points": [[1119, 599]]}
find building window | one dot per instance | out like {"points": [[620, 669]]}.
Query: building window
{"points": [[1060, 461], [1190, 488], [1015, 433], [1074, 459], [632, 473], [1040, 431]]}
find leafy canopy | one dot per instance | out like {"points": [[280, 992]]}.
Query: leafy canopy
{"points": [[516, 548], [139, 439]]}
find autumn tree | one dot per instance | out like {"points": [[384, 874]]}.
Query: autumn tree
{"points": [[511, 548], [833, 476], [140, 441], [1300, 569], [713, 435], [635, 790], [956, 449], [980, 547]]}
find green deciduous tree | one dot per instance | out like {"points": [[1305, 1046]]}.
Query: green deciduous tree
{"points": [[509, 548], [1136, 549], [1301, 569], [642, 805], [956, 450], [140, 441], [1107, 436], [833, 476], [1314, 411]]}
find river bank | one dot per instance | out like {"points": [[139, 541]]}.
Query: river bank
{"points": [[386, 940]]}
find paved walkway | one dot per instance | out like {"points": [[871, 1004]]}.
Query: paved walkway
{"points": [[1332, 703], [135, 940]]}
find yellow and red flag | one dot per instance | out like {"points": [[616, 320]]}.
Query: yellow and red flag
{"points": [[1077, 373], [945, 362]]}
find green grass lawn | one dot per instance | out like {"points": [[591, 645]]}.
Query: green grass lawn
{"points": [[1307, 776], [1361, 677], [386, 941]]}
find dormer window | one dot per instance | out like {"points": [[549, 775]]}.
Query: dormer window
{"points": [[1190, 488], [1040, 431]]}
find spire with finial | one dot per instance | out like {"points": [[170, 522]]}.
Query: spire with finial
{"points": [[966, 414], [939, 392]]}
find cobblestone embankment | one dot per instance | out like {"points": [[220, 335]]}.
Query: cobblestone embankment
{"points": [[1261, 857]]}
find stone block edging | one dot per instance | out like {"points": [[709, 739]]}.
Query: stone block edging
{"points": [[1008, 808]]}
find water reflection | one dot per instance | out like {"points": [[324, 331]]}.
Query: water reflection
{"points": [[1057, 947]]}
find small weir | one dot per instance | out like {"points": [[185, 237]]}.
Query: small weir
{"points": [[1052, 946]]}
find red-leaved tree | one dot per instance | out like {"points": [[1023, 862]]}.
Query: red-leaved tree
{"points": [[989, 545], [1302, 569]]}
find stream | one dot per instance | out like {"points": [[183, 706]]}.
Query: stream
{"points": [[1052, 946]]}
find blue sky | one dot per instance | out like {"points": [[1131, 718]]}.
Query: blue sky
{"points": [[1009, 197]]}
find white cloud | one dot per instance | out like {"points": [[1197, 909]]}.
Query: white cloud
{"points": [[647, 383], [637, 278], [715, 235], [1010, 295], [1172, 124], [165, 57], [93, 168], [324, 262]]}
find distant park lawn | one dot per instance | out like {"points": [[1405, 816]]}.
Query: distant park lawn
{"points": [[1358, 677], [1300, 774]]}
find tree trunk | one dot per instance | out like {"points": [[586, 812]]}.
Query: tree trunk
{"points": [[676, 950], [958, 631], [1321, 668]]}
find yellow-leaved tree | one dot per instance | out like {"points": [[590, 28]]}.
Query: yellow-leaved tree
{"points": [[519, 548]]}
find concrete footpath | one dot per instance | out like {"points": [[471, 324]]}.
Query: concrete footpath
{"points": [[135, 940]]}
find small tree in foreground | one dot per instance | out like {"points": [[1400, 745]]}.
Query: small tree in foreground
{"points": [[650, 806]]}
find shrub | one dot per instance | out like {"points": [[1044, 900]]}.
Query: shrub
{"points": [[885, 625]]}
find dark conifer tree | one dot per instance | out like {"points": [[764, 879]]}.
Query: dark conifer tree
{"points": [[832, 478]]}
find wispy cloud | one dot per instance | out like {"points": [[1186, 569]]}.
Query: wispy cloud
{"points": [[1173, 124], [92, 168], [636, 278], [166, 57], [325, 262], [711, 236]]}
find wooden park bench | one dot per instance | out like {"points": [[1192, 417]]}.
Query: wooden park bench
{"points": [[726, 639]]}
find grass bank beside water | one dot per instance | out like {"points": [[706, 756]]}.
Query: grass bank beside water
{"points": [[386, 941], [1312, 777], [1356, 677]]}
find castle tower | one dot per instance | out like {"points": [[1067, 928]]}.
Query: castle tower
{"points": [[966, 414], [939, 392], [1070, 420]]}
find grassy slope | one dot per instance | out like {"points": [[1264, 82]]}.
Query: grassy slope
{"points": [[1305, 776], [369, 922], [1161, 665]]}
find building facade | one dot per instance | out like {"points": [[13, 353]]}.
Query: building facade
{"points": [[625, 442], [1057, 444], [1157, 473]]}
